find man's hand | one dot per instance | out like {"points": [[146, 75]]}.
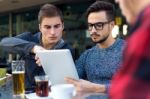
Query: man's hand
{"points": [[35, 49], [37, 60], [86, 86]]}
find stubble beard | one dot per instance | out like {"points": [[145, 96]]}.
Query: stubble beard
{"points": [[101, 40]]}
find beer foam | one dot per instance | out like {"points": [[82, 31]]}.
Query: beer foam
{"points": [[18, 72]]}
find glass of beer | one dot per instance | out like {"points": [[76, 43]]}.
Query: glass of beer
{"points": [[18, 71], [42, 88]]}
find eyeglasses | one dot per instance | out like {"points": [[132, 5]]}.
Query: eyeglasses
{"points": [[97, 26]]}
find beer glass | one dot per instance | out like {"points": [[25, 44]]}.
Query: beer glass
{"points": [[18, 71], [42, 83]]}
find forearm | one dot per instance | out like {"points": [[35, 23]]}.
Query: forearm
{"points": [[16, 45], [99, 88]]}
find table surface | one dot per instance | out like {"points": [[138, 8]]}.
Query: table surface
{"points": [[7, 93]]}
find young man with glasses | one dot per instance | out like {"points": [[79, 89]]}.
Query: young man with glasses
{"points": [[97, 65], [51, 26]]}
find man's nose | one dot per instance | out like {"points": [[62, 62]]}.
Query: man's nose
{"points": [[93, 31], [52, 30]]}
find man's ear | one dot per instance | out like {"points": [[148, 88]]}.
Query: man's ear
{"points": [[63, 26], [39, 27], [112, 24]]}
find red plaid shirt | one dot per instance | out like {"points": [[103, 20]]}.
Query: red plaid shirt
{"points": [[133, 79]]}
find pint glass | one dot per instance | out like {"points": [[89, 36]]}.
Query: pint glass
{"points": [[18, 71], [42, 88]]}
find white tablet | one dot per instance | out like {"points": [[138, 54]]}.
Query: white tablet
{"points": [[58, 64]]}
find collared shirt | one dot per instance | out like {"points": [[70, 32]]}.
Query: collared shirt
{"points": [[133, 80], [22, 44]]}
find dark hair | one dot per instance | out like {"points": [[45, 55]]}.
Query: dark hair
{"points": [[49, 10], [102, 6]]}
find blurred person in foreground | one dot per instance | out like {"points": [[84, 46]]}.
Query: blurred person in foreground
{"points": [[97, 65], [51, 27], [133, 79]]}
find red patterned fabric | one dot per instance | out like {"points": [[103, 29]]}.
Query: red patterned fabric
{"points": [[133, 79]]}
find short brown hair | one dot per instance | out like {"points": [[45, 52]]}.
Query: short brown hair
{"points": [[102, 6], [49, 10]]}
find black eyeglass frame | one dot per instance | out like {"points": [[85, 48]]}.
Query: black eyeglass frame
{"points": [[97, 25]]}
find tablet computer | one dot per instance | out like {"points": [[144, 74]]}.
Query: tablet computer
{"points": [[58, 64]]}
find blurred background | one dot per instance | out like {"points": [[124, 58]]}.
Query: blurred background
{"points": [[17, 16]]}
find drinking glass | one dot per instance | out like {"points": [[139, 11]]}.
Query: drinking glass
{"points": [[42, 88], [18, 71]]}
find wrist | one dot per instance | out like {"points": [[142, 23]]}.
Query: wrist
{"points": [[36, 48], [100, 88]]}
